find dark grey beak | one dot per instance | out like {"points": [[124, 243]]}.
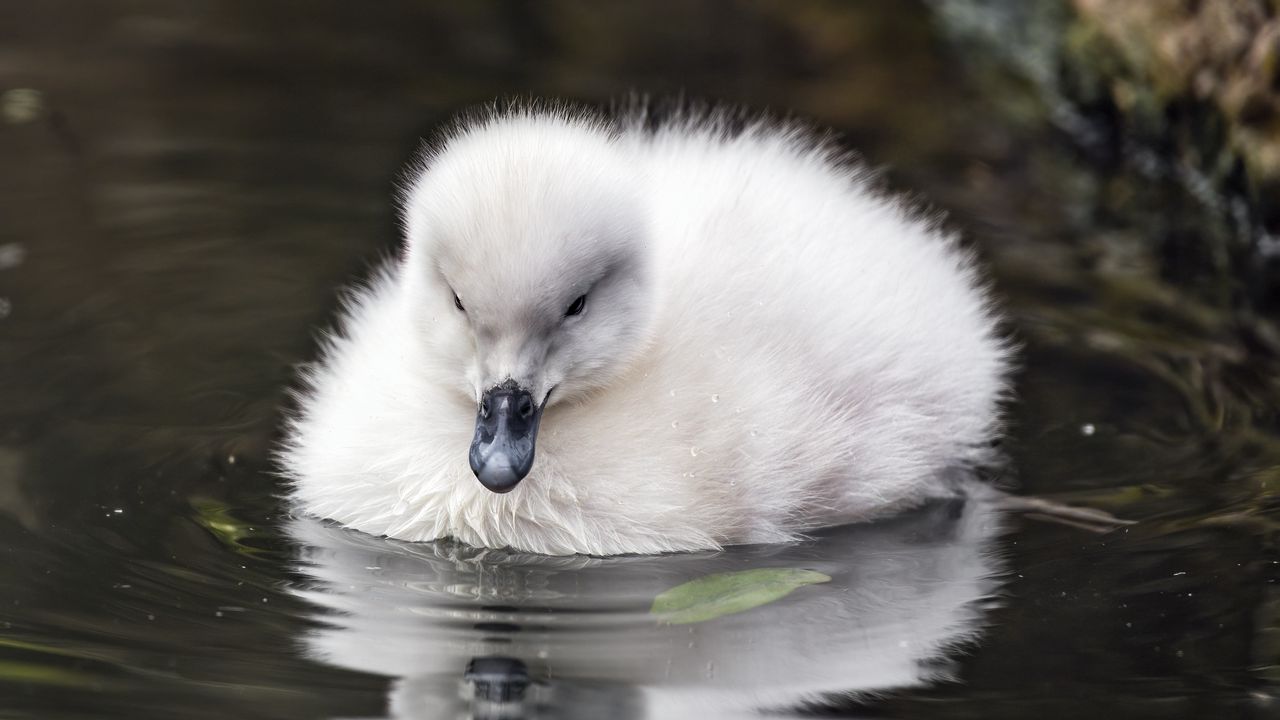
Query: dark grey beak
{"points": [[506, 429]]}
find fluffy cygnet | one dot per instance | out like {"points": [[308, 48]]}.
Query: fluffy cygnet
{"points": [[619, 335]]}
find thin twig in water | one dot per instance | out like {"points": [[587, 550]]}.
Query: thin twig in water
{"points": [[1090, 519]]}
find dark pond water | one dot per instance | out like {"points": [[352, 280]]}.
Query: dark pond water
{"points": [[186, 186]]}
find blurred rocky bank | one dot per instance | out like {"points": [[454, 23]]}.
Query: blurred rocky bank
{"points": [[1174, 91]]}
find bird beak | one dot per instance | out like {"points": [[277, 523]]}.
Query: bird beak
{"points": [[506, 429]]}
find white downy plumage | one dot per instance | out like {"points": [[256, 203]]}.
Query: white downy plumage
{"points": [[768, 344]]}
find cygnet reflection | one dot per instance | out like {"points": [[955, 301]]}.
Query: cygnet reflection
{"points": [[474, 633]]}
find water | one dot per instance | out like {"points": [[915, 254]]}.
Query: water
{"points": [[184, 190]]}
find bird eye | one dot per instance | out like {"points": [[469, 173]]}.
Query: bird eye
{"points": [[457, 302], [577, 306]]}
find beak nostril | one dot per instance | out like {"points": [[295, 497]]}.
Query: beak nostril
{"points": [[526, 406], [484, 407]]}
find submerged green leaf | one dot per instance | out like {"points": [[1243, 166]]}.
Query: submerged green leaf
{"points": [[722, 594], [216, 517]]}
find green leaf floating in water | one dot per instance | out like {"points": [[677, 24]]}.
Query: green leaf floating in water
{"points": [[721, 594], [215, 516]]}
